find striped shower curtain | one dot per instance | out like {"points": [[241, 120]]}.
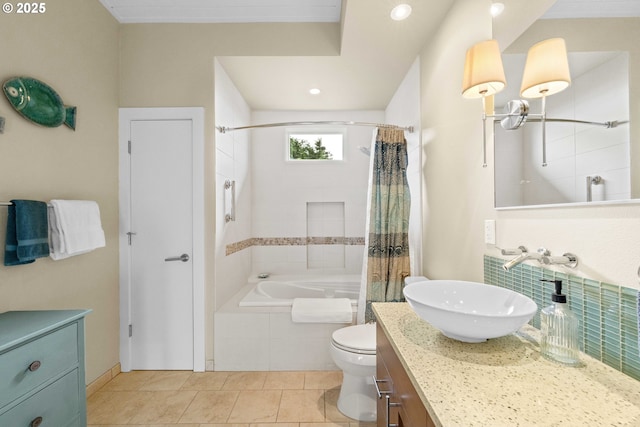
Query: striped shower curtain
{"points": [[386, 262]]}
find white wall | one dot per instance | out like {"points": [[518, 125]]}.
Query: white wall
{"points": [[233, 162], [404, 110], [73, 47], [457, 190], [281, 189]]}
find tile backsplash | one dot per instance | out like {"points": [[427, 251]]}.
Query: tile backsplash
{"points": [[608, 313]]}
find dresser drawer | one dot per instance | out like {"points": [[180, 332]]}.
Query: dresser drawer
{"points": [[57, 405], [56, 353]]}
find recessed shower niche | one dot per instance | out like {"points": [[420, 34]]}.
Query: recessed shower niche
{"points": [[325, 235]]}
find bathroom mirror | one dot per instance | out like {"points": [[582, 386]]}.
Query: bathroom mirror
{"points": [[586, 163]]}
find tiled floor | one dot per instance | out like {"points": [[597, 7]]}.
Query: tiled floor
{"points": [[219, 399]]}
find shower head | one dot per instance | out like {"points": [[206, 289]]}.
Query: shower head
{"points": [[365, 150]]}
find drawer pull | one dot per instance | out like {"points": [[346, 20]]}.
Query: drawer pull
{"points": [[388, 404], [36, 422], [34, 366], [381, 392]]}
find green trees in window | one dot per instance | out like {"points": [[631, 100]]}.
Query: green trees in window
{"points": [[303, 150]]}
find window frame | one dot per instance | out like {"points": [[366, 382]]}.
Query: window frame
{"points": [[294, 131]]}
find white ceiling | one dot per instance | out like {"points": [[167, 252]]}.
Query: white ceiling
{"points": [[376, 52], [594, 9], [218, 11]]}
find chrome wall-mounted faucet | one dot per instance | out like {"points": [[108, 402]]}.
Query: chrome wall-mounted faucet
{"points": [[524, 255], [520, 250], [567, 259], [542, 255]]}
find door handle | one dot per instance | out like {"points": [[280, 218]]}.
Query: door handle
{"points": [[183, 258]]}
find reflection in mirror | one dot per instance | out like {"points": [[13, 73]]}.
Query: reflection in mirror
{"points": [[604, 60], [585, 162]]}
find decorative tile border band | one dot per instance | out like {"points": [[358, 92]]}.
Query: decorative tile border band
{"points": [[608, 313], [291, 241]]}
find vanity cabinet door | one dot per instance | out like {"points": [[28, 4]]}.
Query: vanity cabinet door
{"points": [[410, 412]]}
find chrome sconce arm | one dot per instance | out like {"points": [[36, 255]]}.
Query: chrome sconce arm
{"points": [[517, 113]]}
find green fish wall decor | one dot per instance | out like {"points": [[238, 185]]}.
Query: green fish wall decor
{"points": [[38, 102]]}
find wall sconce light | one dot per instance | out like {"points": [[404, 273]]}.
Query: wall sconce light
{"points": [[546, 72], [483, 76]]}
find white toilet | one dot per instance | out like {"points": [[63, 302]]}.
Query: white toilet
{"points": [[353, 349]]}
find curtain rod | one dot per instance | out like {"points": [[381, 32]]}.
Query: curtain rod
{"points": [[224, 129], [6, 204]]}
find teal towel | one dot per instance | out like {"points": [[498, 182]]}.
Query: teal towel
{"points": [[27, 232]]}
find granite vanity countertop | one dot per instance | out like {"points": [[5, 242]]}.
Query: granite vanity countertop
{"points": [[505, 382]]}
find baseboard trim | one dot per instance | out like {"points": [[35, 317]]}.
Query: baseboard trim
{"points": [[102, 380]]}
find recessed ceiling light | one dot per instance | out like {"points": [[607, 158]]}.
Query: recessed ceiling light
{"points": [[496, 9], [314, 91], [400, 12]]}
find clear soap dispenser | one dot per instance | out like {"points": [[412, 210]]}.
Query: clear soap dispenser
{"points": [[559, 326]]}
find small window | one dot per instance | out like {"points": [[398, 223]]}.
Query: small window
{"points": [[315, 145]]}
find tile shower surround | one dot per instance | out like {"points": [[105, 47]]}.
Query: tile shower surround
{"points": [[291, 241], [608, 313]]}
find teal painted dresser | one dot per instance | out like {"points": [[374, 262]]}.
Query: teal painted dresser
{"points": [[42, 380]]}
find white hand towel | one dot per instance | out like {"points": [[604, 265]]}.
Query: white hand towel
{"points": [[74, 228], [321, 310]]}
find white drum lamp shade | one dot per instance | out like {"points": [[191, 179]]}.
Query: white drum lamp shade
{"points": [[483, 70], [546, 70]]}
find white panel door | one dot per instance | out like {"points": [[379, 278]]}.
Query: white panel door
{"points": [[161, 272]]}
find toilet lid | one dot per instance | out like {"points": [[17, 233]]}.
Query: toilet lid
{"points": [[356, 339]]}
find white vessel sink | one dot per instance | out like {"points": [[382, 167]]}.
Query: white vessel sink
{"points": [[469, 311]]}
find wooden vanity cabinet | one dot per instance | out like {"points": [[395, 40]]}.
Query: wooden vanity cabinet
{"points": [[406, 408]]}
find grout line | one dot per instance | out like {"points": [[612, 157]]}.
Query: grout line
{"points": [[102, 380], [601, 318], [620, 331], [189, 405], [584, 319]]}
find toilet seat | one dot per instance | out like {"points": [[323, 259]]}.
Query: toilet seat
{"points": [[359, 339]]}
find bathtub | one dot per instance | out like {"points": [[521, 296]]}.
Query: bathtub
{"points": [[253, 331], [281, 291]]}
